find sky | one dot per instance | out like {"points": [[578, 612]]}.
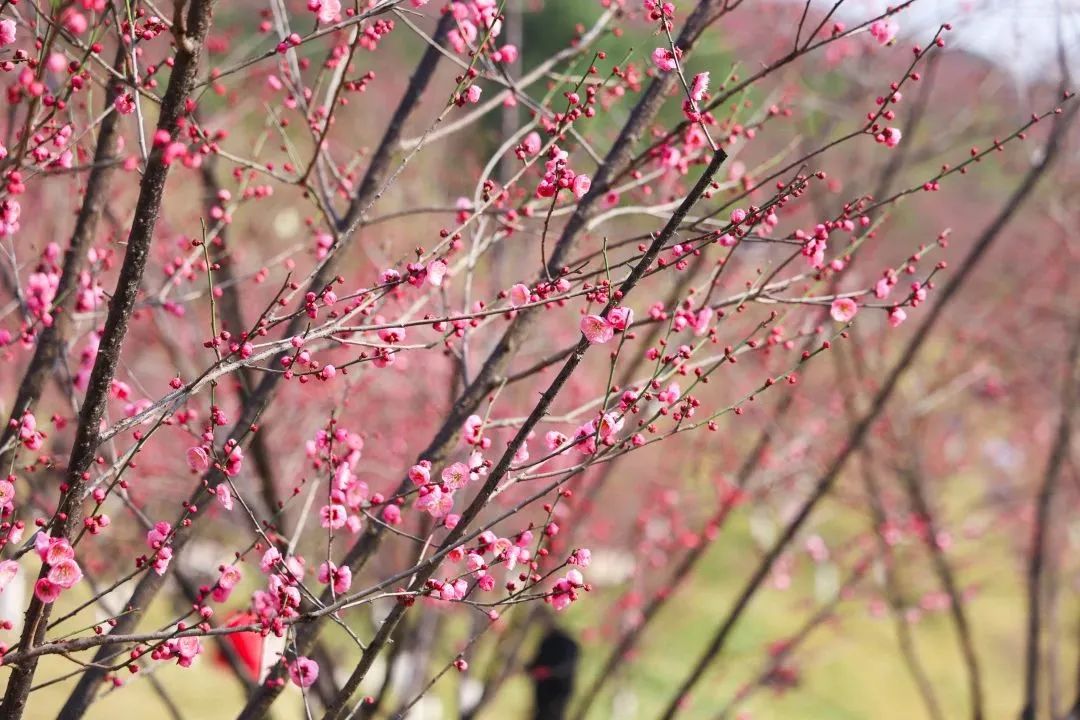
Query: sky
{"points": [[1021, 36]]}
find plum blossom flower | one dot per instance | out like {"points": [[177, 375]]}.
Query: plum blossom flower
{"points": [[224, 496], [620, 317], [434, 501], [333, 516], [596, 329], [519, 295], [582, 183], [436, 271], [664, 59], [340, 576], [197, 459], [304, 671], [580, 557], [456, 476], [65, 574], [843, 309], [184, 649], [531, 144], [897, 316], [699, 86], [884, 31], [8, 570], [230, 577], [46, 591], [7, 32]]}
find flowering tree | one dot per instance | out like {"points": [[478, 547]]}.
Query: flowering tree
{"points": [[260, 364]]}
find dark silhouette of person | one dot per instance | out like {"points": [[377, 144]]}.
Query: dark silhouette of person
{"points": [[552, 671]]}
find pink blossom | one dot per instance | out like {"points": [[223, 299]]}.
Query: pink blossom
{"points": [[333, 516], [670, 395], [434, 501], [7, 32], [124, 104], [456, 476], [46, 592], [8, 570], [620, 317], [184, 649], [391, 515], [157, 535], [65, 573], [531, 144], [596, 329], [664, 59], [341, 576], [580, 557], [554, 440], [582, 183], [508, 54], [304, 671], [420, 474], [53, 550], [702, 320], [224, 496], [884, 31], [699, 86], [472, 94], [161, 560], [197, 459], [436, 271], [329, 10], [843, 309], [897, 316], [519, 295], [270, 560]]}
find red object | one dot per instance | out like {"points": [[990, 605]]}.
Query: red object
{"points": [[247, 645]]}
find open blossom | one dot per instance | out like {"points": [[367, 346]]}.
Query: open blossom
{"points": [[8, 570], [664, 59], [436, 272], [230, 577], [197, 459], [340, 576], [456, 476], [620, 317], [580, 557], [582, 183], [843, 309], [884, 31], [333, 516], [184, 649], [329, 10], [304, 671], [47, 591], [897, 316], [53, 550], [699, 86], [65, 573], [7, 32], [519, 295], [434, 501], [596, 329], [224, 496]]}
